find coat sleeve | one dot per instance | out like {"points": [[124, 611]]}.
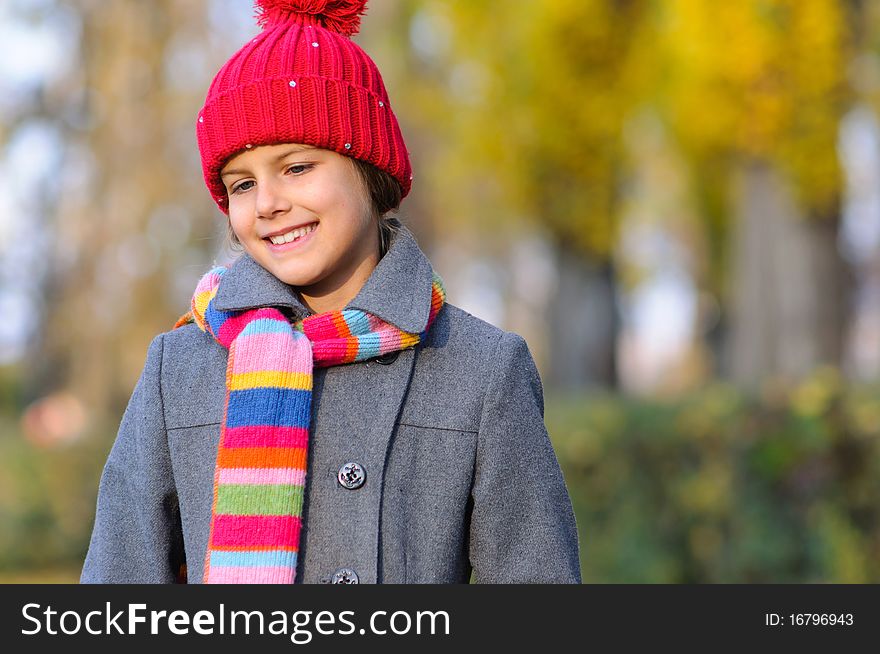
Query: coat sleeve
{"points": [[137, 533], [522, 524]]}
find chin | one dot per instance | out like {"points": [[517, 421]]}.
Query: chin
{"points": [[293, 276]]}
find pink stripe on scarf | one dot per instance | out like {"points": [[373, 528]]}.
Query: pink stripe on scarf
{"points": [[254, 531], [265, 436], [260, 476], [249, 575], [251, 357], [389, 339]]}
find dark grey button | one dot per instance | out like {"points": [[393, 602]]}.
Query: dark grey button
{"points": [[344, 576], [388, 358], [352, 475]]}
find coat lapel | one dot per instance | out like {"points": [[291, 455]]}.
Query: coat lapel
{"points": [[399, 289]]}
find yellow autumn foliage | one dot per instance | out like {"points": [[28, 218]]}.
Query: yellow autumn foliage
{"points": [[533, 105], [760, 79], [532, 101]]}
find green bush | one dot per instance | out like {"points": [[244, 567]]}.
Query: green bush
{"points": [[719, 487], [47, 500]]}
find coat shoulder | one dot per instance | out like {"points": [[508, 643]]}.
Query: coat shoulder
{"points": [[193, 373], [456, 365], [463, 332], [185, 339]]}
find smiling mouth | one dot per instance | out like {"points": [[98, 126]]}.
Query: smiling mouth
{"points": [[291, 235]]}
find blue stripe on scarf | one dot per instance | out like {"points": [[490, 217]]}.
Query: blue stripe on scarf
{"points": [[253, 559], [368, 346], [266, 326], [215, 318], [358, 321], [285, 407]]}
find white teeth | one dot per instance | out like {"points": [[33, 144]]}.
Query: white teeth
{"points": [[293, 234]]}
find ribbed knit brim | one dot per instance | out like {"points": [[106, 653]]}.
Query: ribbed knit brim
{"points": [[300, 83]]}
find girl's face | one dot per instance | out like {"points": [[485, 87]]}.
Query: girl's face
{"points": [[304, 215]]}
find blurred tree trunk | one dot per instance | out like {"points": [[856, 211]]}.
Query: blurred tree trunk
{"points": [[95, 302], [107, 291], [789, 286], [584, 323]]}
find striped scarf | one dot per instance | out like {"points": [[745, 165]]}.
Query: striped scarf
{"points": [[259, 480]]}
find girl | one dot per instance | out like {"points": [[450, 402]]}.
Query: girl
{"points": [[327, 348]]}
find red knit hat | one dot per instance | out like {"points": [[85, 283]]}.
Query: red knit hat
{"points": [[301, 80]]}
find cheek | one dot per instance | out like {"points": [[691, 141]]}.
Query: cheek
{"points": [[345, 212], [239, 225], [357, 207]]}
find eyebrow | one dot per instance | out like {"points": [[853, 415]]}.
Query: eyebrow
{"points": [[287, 153]]}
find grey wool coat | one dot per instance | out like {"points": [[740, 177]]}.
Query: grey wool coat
{"points": [[460, 475]]}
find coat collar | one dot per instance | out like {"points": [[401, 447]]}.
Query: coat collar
{"points": [[398, 290]]}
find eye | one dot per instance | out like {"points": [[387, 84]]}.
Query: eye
{"points": [[242, 186], [299, 169]]}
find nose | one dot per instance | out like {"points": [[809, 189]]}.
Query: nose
{"points": [[271, 200]]}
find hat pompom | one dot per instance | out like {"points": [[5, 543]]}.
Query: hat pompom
{"points": [[342, 16]]}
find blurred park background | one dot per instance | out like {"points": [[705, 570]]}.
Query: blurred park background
{"points": [[676, 202]]}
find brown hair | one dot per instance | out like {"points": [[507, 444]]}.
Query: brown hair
{"points": [[385, 195]]}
